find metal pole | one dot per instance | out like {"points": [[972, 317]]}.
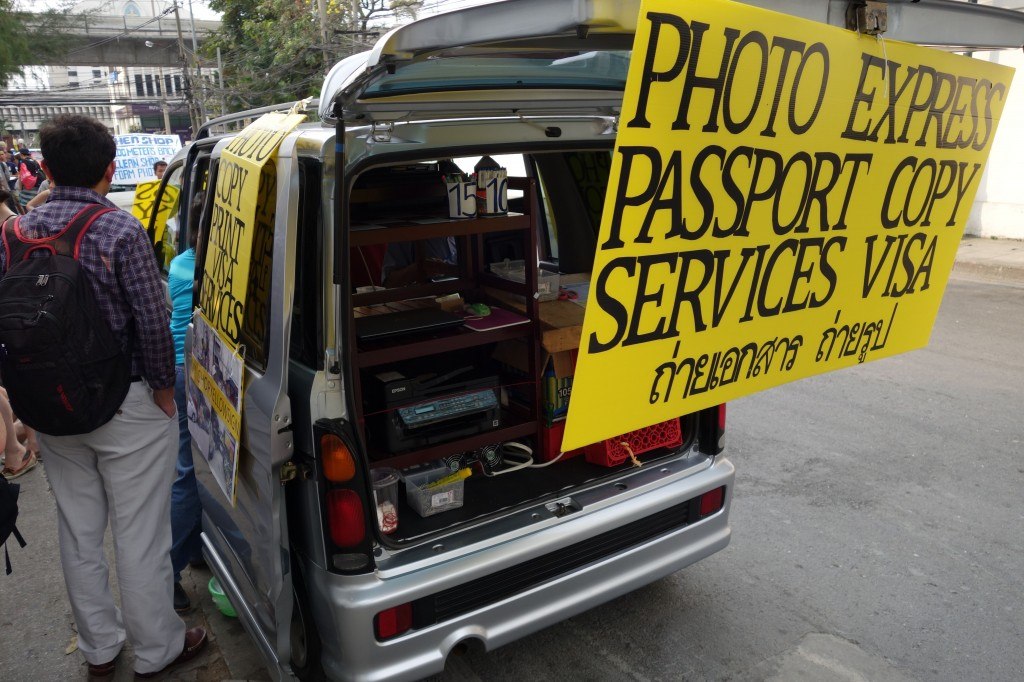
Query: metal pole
{"points": [[321, 7], [355, 26], [199, 69], [21, 120], [220, 79], [163, 103], [186, 75], [192, 22]]}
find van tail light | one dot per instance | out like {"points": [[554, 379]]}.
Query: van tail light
{"points": [[346, 517], [711, 430], [712, 501], [345, 510], [339, 464], [394, 621]]}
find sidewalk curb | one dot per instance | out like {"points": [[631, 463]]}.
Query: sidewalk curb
{"points": [[990, 260], [989, 272]]}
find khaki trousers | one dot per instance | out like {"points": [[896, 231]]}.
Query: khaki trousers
{"points": [[121, 472]]}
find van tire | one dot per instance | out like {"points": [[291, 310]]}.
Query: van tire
{"points": [[305, 640]]}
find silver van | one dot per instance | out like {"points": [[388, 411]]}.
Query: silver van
{"points": [[358, 548]]}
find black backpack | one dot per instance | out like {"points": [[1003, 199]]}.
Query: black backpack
{"points": [[63, 368], [8, 515]]}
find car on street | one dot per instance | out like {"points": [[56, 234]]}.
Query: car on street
{"points": [[122, 195]]}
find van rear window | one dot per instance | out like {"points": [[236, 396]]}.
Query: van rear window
{"points": [[569, 70]]}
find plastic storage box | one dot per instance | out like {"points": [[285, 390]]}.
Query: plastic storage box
{"points": [[515, 270], [427, 501]]}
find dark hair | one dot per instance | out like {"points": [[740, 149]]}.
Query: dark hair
{"points": [[78, 149], [158, 163], [195, 214]]}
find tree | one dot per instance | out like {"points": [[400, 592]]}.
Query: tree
{"points": [[368, 11], [24, 37], [272, 50], [14, 41]]}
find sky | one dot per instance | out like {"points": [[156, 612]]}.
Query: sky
{"points": [[201, 10]]}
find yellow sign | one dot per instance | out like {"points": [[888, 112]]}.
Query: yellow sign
{"points": [[219, 402], [785, 199], [242, 195], [145, 201]]}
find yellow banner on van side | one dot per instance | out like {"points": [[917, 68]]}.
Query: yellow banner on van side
{"points": [[786, 199], [245, 190], [145, 201]]}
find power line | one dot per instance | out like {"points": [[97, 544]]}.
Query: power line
{"points": [[123, 34]]}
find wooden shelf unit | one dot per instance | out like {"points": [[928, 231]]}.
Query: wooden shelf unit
{"points": [[444, 342], [473, 283], [386, 234]]}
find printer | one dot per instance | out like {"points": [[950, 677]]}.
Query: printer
{"points": [[405, 413]]}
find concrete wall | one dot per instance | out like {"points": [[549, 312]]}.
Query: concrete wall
{"points": [[998, 209]]}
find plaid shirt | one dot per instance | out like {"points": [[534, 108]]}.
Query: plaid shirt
{"points": [[116, 253]]}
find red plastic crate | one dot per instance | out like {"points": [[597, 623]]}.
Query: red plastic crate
{"points": [[611, 452]]}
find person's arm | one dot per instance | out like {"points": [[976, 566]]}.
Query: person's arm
{"points": [[38, 200], [140, 281]]}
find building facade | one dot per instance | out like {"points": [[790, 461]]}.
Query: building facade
{"points": [[125, 98]]}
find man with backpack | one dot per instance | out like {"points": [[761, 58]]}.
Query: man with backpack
{"points": [[106, 419]]}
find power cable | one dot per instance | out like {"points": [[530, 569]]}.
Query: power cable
{"points": [[123, 34]]}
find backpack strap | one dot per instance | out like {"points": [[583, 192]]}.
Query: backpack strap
{"points": [[67, 242], [7, 557], [3, 237]]}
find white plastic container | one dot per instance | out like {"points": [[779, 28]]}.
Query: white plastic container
{"points": [[433, 500], [515, 270]]}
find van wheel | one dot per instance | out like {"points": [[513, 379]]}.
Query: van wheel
{"points": [[305, 641]]}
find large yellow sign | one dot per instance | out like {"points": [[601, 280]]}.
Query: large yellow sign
{"points": [[244, 200], [785, 199]]}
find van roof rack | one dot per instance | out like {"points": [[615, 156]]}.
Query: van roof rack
{"points": [[206, 130]]}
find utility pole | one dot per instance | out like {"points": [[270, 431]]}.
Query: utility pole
{"points": [[163, 103], [321, 7], [186, 74], [355, 25], [199, 68], [220, 79], [22, 122]]}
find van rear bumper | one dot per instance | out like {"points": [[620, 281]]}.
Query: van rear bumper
{"points": [[344, 606]]}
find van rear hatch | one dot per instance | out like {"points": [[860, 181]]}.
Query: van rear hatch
{"points": [[553, 59], [538, 55]]}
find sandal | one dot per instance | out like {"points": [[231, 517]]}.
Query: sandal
{"points": [[30, 463]]}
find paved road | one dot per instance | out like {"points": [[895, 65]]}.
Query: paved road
{"points": [[877, 535], [878, 532]]}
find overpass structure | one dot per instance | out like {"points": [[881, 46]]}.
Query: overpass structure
{"points": [[106, 40]]}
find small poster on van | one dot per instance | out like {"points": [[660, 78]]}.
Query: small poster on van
{"points": [[215, 403]]}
